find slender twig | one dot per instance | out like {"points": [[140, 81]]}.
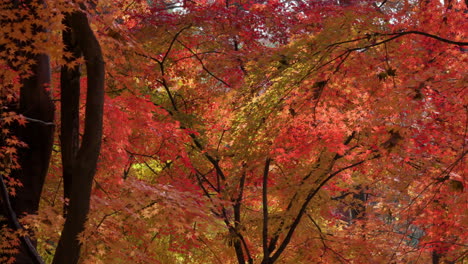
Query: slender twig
{"points": [[210, 249], [174, 39], [415, 32], [383, 3], [323, 239], [14, 223], [38, 121], [202, 64], [203, 177]]}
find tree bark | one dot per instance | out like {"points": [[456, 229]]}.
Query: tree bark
{"points": [[83, 166], [37, 106], [70, 111], [35, 103], [435, 257]]}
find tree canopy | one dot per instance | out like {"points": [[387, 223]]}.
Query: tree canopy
{"points": [[235, 131]]}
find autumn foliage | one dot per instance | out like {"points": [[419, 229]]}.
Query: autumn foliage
{"points": [[242, 131]]}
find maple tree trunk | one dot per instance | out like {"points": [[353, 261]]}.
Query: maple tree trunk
{"points": [[69, 108], [82, 167], [435, 257], [36, 105]]}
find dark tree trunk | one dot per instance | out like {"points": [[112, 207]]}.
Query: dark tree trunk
{"points": [[79, 162], [435, 257], [70, 101], [36, 105], [81, 166]]}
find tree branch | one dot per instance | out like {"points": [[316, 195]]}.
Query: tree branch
{"points": [[203, 65], [174, 39], [400, 34], [14, 223], [238, 201], [266, 253], [38, 121], [310, 196]]}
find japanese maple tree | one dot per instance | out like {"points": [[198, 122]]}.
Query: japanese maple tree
{"points": [[252, 132]]}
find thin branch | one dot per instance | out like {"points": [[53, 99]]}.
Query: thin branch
{"points": [[139, 154], [200, 53], [14, 223], [203, 177], [205, 191], [220, 139], [210, 249], [174, 39], [400, 34], [266, 253], [150, 168], [368, 36], [346, 41], [210, 158], [247, 251], [203, 65], [276, 235], [311, 195], [163, 82], [238, 202], [383, 3], [444, 175], [38, 121], [322, 239], [168, 91]]}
